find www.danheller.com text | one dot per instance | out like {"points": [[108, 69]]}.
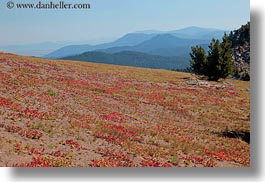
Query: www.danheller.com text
{"points": [[48, 5]]}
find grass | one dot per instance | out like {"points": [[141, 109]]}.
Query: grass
{"points": [[105, 115], [51, 93]]}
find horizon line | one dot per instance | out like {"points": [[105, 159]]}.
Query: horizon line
{"points": [[120, 36]]}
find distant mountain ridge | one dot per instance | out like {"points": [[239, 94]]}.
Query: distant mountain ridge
{"points": [[127, 40], [192, 32], [37, 49], [151, 42], [162, 45]]}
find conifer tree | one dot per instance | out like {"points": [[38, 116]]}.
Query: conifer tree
{"points": [[213, 60], [226, 62], [198, 60], [218, 62]]}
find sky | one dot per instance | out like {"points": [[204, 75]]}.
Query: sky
{"points": [[108, 19]]}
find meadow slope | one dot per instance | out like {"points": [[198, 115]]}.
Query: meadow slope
{"points": [[68, 113]]}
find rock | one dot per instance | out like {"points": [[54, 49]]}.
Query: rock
{"points": [[192, 81], [220, 87], [228, 84]]}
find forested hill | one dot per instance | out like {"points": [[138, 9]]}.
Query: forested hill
{"points": [[130, 58]]}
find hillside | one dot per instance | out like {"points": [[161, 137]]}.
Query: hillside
{"points": [[240, 39], [129, 58], [68, 113]]}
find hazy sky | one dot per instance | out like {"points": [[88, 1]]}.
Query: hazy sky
{"points": [[114, 18]]}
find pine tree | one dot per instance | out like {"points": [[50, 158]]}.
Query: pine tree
{"points": [[226, 62], [213, 61], [217, 64], [198, 60]]}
